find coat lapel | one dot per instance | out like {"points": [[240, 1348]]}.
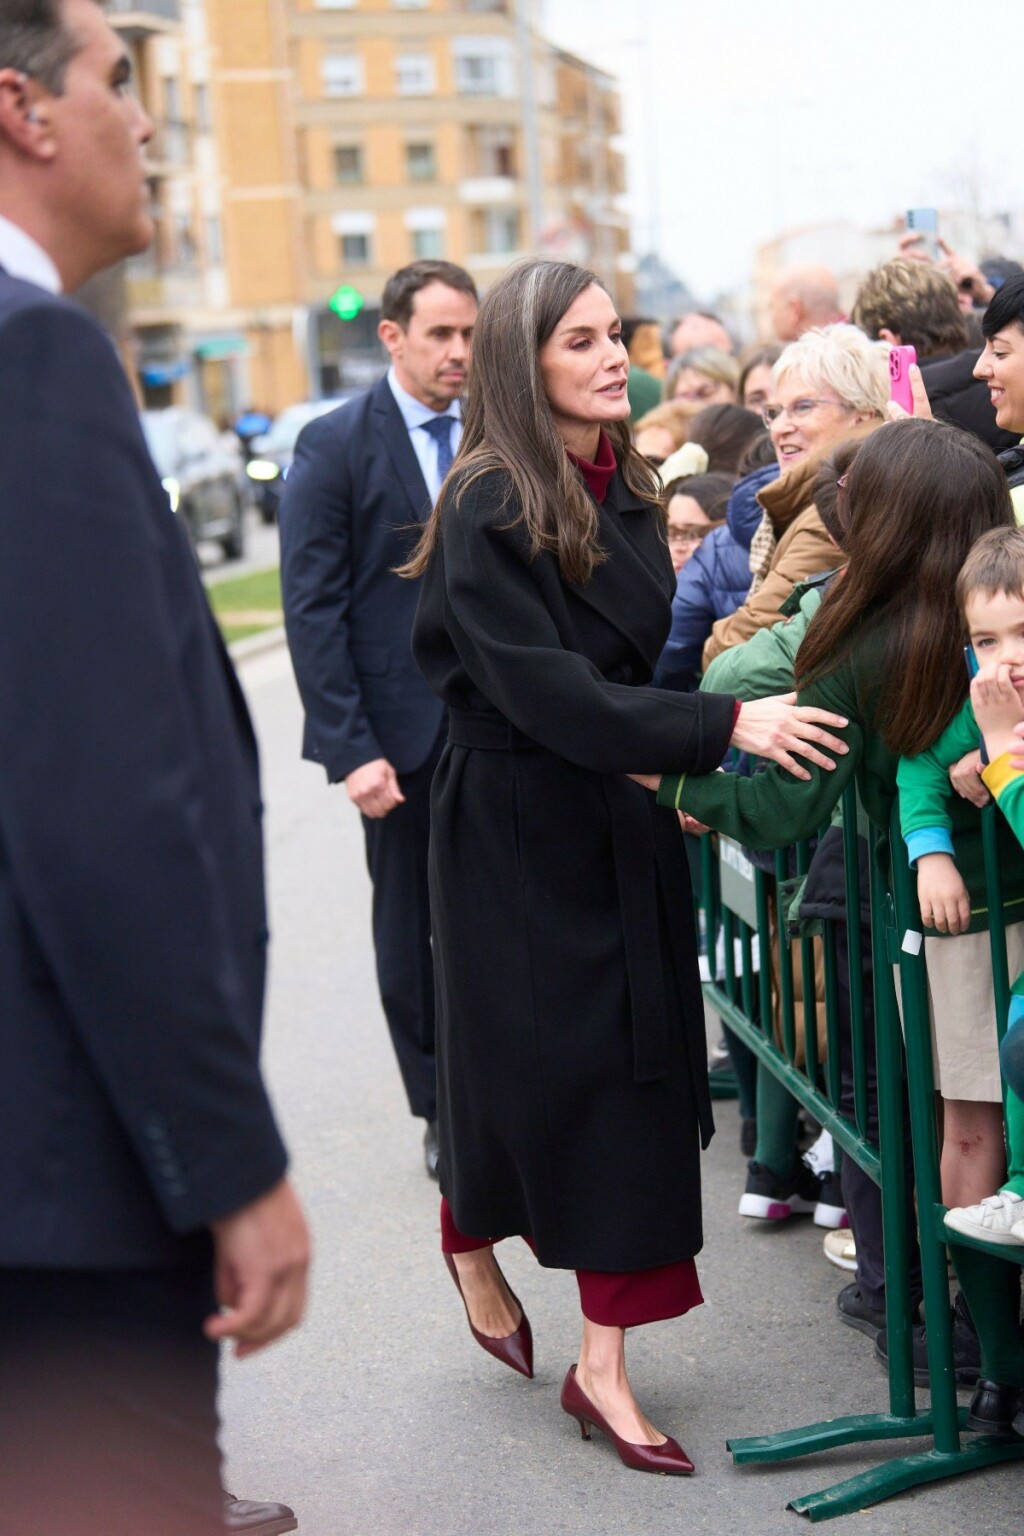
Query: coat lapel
{"points": [[633, 588], [405, 466]]}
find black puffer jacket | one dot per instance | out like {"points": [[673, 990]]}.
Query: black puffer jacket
{"points": [[957, 396]]}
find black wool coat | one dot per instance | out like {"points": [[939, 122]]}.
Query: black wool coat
{"points": [[571, 1055]]}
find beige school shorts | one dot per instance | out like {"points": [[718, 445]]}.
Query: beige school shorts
{"points": [[965, 1049]]}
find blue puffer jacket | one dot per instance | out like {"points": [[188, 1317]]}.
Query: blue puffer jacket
{"points": [[713, 583]]}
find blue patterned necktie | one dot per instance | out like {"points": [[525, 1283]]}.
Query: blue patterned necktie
{"points": [[440, 429]]}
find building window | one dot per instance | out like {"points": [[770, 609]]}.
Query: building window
{"points": [[355, 250], [348, 163], [492, 150], [172, 99], [484, 65], [335, 5], [500, 231], [414, 74], [201, 107], [420, 163], [342, 74], [410, 5], [214, 241], [428, 245], [476, 75]]}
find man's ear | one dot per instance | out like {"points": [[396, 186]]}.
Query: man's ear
{"points": [[24, 115], [390, 333], [892, 337]]}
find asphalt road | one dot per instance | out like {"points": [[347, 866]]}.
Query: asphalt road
{"points": [[381, 1417]]}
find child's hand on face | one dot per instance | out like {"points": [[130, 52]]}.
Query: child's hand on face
{"points": [[998, 707], [942, 895]]}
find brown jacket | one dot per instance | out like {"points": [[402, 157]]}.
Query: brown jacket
{"points": [[804, 549]]}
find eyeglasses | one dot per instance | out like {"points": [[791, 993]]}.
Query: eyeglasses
{"points": [[797, 411], [686, 535]]}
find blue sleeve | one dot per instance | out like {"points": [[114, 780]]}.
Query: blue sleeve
{"points": [[693, 614], [928, 840]]}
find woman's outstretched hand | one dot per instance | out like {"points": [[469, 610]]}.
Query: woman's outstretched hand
{"points": [[783, 730]]}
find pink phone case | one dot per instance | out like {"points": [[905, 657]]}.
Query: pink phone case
{"points": [[900, 359]]}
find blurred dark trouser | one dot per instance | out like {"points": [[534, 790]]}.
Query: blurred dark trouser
{"points": [[108, 1420], [861, 1195]]}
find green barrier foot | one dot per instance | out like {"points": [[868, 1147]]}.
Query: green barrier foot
{"points": [[906, 1472], [828, 1434]]}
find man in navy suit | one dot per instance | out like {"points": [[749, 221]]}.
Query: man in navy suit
{"points": [[364, 479], [145, 1214]]}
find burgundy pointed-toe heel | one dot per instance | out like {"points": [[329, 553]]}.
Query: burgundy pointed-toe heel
{"points": [[515, 1349], [668, 1458]]}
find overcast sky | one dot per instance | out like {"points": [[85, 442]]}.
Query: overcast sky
{"points": [[748, 118]]}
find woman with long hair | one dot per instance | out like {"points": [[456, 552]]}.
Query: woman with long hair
{"points": [[884, 648], [572, 1084]]}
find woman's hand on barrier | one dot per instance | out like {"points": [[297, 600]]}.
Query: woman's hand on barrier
{"points": [[996, 701], [945, 904], [965, 777], [784, 730]]}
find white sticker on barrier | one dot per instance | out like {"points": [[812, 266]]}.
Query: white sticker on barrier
{"points": [[912, 942]]}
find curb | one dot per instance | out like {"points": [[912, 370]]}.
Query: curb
{"points": [[256, 645]]}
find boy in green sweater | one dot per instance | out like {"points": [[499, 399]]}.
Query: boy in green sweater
{"points": [[991, 593], [990, 589]]}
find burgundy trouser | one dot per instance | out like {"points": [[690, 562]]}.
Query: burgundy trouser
{"points": [[613, 1300]]}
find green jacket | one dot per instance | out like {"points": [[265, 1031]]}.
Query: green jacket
{"points": [[763, 665], [773, 808]]}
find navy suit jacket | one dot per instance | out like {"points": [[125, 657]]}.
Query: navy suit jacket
{"points": [[353, 508], [132, 921]]}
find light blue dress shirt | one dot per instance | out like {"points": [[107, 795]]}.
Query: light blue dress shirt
{"points": [[413, 413]]}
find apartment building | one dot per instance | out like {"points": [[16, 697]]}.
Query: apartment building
{"points": [[302, 146]]}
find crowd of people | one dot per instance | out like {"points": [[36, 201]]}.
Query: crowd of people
{"points": [[536, 599], [836, 568]]}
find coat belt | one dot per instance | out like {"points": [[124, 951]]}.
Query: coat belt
{"points": [[636, 881]]}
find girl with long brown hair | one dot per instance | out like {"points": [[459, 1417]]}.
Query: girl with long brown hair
{"points": [[572, 1083], [885, 649]]}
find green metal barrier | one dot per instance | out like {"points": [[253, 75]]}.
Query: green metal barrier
{"points": [[740, 901]]}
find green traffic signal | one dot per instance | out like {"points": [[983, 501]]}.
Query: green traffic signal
{"points": [[346, 302]]}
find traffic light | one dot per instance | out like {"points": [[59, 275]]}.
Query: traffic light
{"points": [[346, 302]]}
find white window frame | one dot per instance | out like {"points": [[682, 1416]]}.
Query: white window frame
{"points": [[415, 74], [342, 74]]}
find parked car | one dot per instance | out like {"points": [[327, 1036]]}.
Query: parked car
{"points": [[271, 455], [200, 473]]}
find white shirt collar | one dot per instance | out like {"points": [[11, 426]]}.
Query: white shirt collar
{"points": [[24, 257], [414, 412]]}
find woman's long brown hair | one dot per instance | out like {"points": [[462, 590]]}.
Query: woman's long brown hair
{"points": [[919, 494], [508, 425]]}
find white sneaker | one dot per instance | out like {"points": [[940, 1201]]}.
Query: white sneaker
{"points": [[821, 1155], [841, 1250], [999, 1219]]}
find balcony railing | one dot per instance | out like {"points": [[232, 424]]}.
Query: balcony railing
{"points": [[141, 18], [153, 287]]}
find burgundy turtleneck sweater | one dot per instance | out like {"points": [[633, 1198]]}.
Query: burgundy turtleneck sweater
{"points": [[597, 476]]}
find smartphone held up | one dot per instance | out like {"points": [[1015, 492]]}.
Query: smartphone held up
{"points": [[900, 360]]}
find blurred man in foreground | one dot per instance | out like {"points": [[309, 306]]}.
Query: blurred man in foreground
{"points": [[144, 1209]]}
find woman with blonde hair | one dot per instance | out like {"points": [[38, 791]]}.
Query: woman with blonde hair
{"points": [[572, 1083], [831, 384]]}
